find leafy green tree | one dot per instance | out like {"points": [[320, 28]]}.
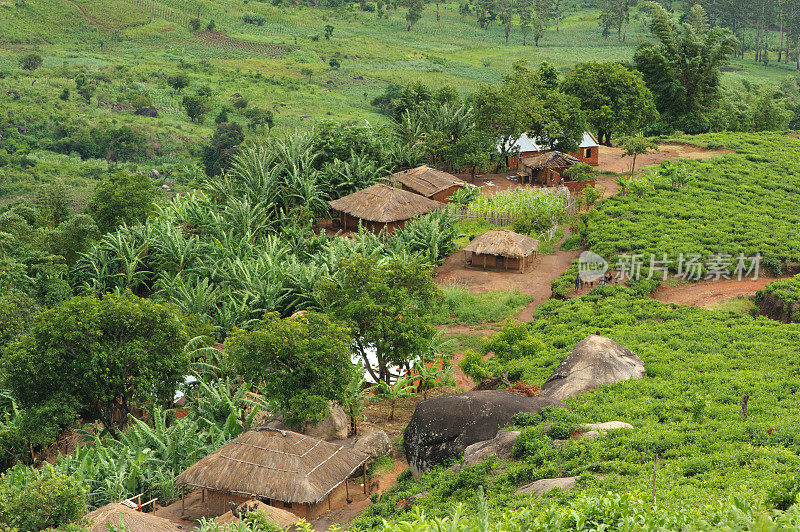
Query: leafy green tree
{"points": [[53, 203], [473, 150], [225, 142], [527, 101], [107, 355], [579, 172], [414, 13], [328, 32], [17, 311], [682, 69], [178, 81], [300, 364], [334, 63], [635, 146], [31, 61], [196, 107], [354, 397], [124, 143], [615, 99], [122, 198], [306, 71], [73, 237], [388, 304], [260, 118]]}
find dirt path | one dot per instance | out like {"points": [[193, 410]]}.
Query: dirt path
{"points": [[707, 294]]}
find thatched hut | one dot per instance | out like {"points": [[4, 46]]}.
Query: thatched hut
{"points": [[429, 182], [381, 206], [546, 169], [501, 249], [298, 473], [132, 520], [278, 516]]}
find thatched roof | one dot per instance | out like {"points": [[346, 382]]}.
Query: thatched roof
{"points": [[275, 464], [425, 180], [278, 516], [503, 243], [384, 204], [551, 159], [132, 520]]}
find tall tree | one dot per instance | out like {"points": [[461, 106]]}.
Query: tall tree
{"points": [[682, 69], [122, 198], [615, 99], [300, 364], [388, 304]]}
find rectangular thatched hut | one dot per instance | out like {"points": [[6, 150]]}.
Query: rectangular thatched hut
{"points": [[546, 169], [381, 206], [132, 520], [301, 474], [501, 249], [429, 182]]}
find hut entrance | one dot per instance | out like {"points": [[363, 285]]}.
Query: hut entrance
{"points": [[500, 262]]}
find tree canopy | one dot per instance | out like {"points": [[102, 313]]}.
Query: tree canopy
{"points": [[122, 198], [682, 68], [614, 98], [100, 358], [389, 304], [299, 363]]}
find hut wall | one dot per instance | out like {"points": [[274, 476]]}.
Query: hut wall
{"points": [[588, 155], [350, 223], [494, 262], [218, 502], [444, 195]]}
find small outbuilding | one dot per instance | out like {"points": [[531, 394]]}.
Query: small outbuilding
{"points": [[429, 182], [297, 473], [526, 146], [546, 169], [381, 206], [501, 249], [132, 519]]}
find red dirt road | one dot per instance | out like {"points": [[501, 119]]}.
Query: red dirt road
{"points": [[707, 294]]}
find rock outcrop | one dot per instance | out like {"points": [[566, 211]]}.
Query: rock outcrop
{"points": [[374, 444], [443, 427], [594, 361], [548, 484], [334, 426], [500, 446]]}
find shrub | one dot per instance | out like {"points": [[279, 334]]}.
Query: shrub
{"points": [[31, 61], [41, 503]]}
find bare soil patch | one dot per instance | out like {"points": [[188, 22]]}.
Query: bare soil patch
{"points": [[611, 159], [708, 294]]}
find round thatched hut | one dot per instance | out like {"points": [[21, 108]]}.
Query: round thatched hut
{"points": [[132, 520], [501, 249]]}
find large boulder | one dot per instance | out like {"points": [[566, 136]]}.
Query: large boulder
{"points": [[500, 446], [594, 361], [334, 426], [374, 444], [443, 427]]}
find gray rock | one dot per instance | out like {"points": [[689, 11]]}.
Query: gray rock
{"points": [[548, 484], [375, 444], [443, 427], [500, 446], [593, 361], [406, 504], [608, 425], [333, 427]]}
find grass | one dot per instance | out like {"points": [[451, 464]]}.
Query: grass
{"points": [[738, 305], [466, 308]]}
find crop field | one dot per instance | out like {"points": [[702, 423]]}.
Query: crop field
{"points": [[738, 204], [687, 409]]}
